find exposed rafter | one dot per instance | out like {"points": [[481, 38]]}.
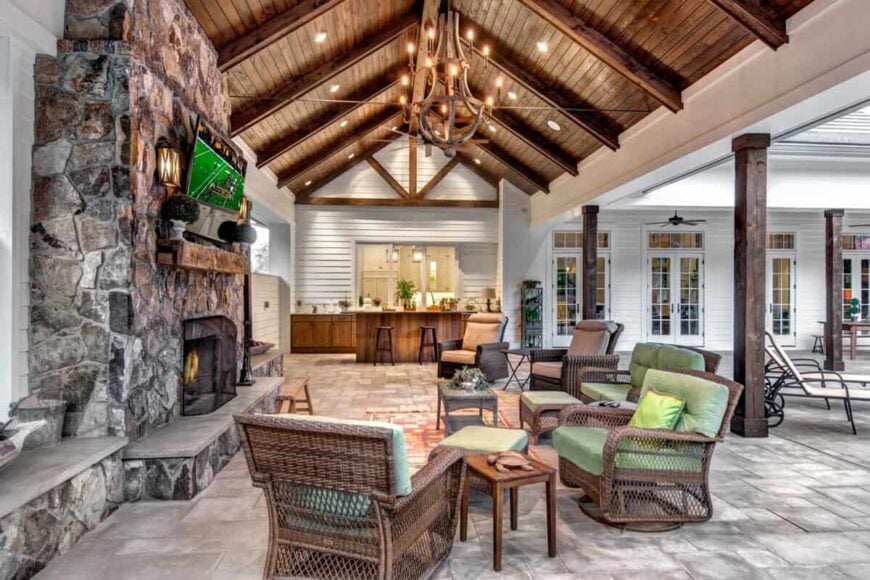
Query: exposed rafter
{"points": [[437, 178], [757, 17], [596, 123], [322, 74], [607, 51], [415, 202], [513, 164], [352, 137], [482, 173], [329, 118], [247, 45], [388, 177], [516, 126]]}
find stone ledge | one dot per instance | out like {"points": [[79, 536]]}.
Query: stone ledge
{"points": [[188, 436], [37, 471]]}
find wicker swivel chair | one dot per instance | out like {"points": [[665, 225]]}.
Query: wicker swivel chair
{"points": [[480, 347], [341, 504], [647, 479]]}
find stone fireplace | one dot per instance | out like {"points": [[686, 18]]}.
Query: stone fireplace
{"points": [[209, 364]]}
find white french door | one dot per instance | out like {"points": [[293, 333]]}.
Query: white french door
{"points": [[781, 289], [567, 285], [856, 285], [675, 285]]}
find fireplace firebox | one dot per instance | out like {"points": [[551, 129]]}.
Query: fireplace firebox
{"points": [[209, 364]]}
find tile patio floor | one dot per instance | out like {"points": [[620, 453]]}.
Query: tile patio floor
{"points": [[795, 505]]}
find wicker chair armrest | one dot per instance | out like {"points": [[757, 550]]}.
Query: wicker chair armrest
{"points": [[436, 468], [593, 361], [591, 416], [450, 345], [657, 448], [492, 347], [547, 355], [604, 375]]}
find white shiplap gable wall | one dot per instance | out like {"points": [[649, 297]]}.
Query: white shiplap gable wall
{"points": [[326, 239], [266, 308]]}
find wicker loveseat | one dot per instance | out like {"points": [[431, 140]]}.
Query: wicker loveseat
{"points": [[647, 477], [592, 344], [602, 384], [341, 503], [480, 347]]}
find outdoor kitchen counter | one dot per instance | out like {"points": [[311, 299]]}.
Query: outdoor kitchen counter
{"points": [[406, 331]]}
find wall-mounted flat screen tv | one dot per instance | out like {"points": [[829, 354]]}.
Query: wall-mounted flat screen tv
{"points": [[216, 175]]}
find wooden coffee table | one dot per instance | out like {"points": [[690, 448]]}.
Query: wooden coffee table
{"points": [[512, 481]]}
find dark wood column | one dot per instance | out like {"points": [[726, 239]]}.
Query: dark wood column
{"points": [[590, 260], [834, 289], [750, 247]]}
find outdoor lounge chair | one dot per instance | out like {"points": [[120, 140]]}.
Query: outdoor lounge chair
{"points": [[481, 347], [816, 384], [341, 503], [647, 479]]}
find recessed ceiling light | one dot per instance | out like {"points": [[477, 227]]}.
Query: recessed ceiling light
{"points": [[554, 125], [351, 156], [476, 160], [512, 95], [307, 183], [343, 123], [543, 46], [334, 88], [491, 127], [320, 37], [395, 127]]}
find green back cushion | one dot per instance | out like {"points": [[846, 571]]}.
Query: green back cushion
{"points": [[674, 357], [643, 357], [706, 401], [657, 411]]}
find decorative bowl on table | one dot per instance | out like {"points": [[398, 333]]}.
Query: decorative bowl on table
{"points": [[258, 347]]}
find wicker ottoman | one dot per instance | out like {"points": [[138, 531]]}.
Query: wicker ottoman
{"points": [[540, 410]]}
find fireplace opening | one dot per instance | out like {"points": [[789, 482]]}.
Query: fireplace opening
{"points": [[209, 364]]}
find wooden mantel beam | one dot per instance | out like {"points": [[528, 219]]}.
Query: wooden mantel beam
{"points": [[505, 59], [352, 137], [757, 17], [309, 81], [329, 118], [242, 48], [607, 51]]}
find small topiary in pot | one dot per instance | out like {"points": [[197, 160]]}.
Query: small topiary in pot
{"points": [[180, 210]]}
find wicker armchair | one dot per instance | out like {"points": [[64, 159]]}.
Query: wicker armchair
{"points": [[480, 347], [331, 489], [554, 368], [603, 383], [650, 479]]}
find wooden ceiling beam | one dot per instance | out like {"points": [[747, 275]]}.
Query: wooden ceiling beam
{"points": [[516, 126], [415, 202], [237, 51], [309, 81], [478, 170], [388, 177], [437, 178], [352, 137], [757, 17], [513, 164], [596, 123], [607, 51], [329, 118]]}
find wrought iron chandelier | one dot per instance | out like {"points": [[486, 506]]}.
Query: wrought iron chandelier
{"points": [[448, 114]]}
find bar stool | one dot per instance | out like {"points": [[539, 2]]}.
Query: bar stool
{"points": [[388, 332], [427, 332]]}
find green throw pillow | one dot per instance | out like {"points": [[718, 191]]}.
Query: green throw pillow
{"points": [[657, 411]]}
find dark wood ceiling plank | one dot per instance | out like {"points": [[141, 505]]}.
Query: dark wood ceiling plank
{"points": [[615, 56], [531, 137], [388, 177], [245, 46], [352, 137], [437, 178], [757, 17], [513, 164], [328, 118], [503, 58], [314, 78], [415, 202]]}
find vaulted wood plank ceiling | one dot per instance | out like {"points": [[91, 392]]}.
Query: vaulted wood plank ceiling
{"points": [[315, 84]]}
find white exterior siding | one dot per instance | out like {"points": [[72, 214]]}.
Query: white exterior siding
{"points": [[266, 308]]}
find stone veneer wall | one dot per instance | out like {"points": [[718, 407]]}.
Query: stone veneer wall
{"points": [[105, 320]]}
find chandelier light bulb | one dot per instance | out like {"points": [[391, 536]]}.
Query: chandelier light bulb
{"points": [[499, 82], [403, 100], [428, 62], [469, 34], [490, 101], [411, 48], [485, 50], [443, 109], [405, 80], [431, 32]]}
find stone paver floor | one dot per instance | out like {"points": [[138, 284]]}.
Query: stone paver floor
{"points": [[795, 505]]}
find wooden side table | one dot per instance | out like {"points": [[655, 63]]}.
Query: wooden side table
{"points": [[512, 481]]}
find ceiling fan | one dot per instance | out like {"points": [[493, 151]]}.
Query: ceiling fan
{"points": [[677, 220]]}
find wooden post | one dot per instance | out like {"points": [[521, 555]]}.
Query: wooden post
{"points": [[750, 247], [834, 289], [590, 260]]}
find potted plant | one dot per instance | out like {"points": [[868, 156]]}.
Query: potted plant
{"points": [[854, 308], [469, 379], [344, 305], [405, 293], [180, 210]]}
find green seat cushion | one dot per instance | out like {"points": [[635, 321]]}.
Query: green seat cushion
{"points": [[487, 439], [606, 391], [645, 356], [534, 399], [582, 446], [674, 357], [401, 469], [657, 410], [706, 401]]}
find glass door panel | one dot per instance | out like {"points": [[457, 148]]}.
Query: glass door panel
{"points": [[601, 289], [676, 299], [567, 299], [661, 307], [780, 298], [689, 306], [856, 285]]}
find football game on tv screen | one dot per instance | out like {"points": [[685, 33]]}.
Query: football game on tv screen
{"points": [[217, 172]]}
